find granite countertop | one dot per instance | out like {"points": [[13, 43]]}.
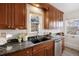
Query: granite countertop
{"points": [[13, 47]]}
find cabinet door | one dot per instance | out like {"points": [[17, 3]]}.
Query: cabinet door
{"points": [[51, 17], [8, 9], [3, 16], [16, 15], [49, 51], [20, 16], [39, 50], [46, 20], [55, 18], [6, 15], [12, 16]]}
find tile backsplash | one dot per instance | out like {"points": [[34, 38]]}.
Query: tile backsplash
{"points": [[2, 34], [10, 33]]}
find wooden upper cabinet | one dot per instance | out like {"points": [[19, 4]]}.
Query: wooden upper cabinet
{"points": [[3, 16], [12, 16], [51, 16], [62, 16], [20, 16], [46, 20], [54, 17]]}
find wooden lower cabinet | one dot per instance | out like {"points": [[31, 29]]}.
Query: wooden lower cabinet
{"points": [[45, 49], [39, 50], [49, 51]]}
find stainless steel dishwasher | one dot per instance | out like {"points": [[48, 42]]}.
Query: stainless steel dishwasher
{"points": [[58, 47]]}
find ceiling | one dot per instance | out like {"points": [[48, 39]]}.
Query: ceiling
{"points": [[66, 7]]}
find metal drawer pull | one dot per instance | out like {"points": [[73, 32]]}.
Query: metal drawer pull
{"points": [[27, 51], [8, 26], [34, 50], [47, 48]]}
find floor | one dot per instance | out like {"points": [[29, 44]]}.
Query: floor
{"points": [[70, 52]]}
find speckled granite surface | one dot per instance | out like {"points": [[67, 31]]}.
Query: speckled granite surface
{"points": [[13, 47]]}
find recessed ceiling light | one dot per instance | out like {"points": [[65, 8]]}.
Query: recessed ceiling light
{"points": [[37, 5]]}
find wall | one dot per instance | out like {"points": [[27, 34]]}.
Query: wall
{"points": [[71, 41], [9, 33]]}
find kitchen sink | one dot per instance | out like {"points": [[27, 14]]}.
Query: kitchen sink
{"points": [[35, 41], [38, 40], [44, 39]]}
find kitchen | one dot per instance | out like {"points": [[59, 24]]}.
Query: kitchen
{"points": [[38, 29]]}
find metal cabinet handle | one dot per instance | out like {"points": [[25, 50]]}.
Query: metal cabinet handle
{"points": [[27, 51], [21, 27], [34, 50], [46, 48], [8, 26], [11, 26]]}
